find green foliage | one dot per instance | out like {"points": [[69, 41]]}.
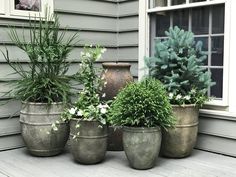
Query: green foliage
{"points": [[45, 79], [88, 106], [178, 63], [143, 104]]}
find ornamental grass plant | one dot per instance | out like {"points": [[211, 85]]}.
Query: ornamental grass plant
{"points": [[45, 78]]}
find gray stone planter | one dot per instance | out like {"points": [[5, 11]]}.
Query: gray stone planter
{"points": [[179, 142], [142, 146], [36, 128], [89, 147]]}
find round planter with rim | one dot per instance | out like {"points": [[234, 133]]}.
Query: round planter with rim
{"points": [[142, 146], [36, 128], [179, 142], [117, 75], [88, 142]]}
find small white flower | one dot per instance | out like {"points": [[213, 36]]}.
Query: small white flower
{"points": [[79, 113], [187, 97], [103, 50], [99, 56], [103, 110], [171, 95], [103, 95], [81, 54], [88, 55], [105, 83], [178, 97], [193, 91], [91, 46], [72, 110]]}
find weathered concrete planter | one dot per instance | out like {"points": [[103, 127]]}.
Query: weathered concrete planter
{"points": [[142, 146], [89, 147], [117, 76], [36, 126], [179, 142]]}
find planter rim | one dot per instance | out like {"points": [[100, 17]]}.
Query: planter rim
{"points": [[115, 64], [82, 120], [142, 129], [184, 105], [38, 103]]}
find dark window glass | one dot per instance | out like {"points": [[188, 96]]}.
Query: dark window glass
{"points": [[30, 5], [197, 0], [162, 23], [177, 2], [204, 46], [218, 15], [160, 3], [180, 18], [200, 20], [217, 49], [217, 76]]}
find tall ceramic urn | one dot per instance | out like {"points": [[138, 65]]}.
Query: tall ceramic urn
{"points": [[117, 75]]}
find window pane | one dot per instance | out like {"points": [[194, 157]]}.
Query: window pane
{"points": [[160, 3], [162, 23], [217, 76], [217, 47], [177, 2], [218, 15], [180, 18], [200, 20], [32, 5], [204, 46], [196, 0]]}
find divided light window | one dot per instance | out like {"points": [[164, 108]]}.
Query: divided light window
{"points": [[206, 22]]}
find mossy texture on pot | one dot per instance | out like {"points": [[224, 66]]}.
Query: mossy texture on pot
{"points": [[43, 86], [88, 141], [36, 126], [179, 141], [142, 146], [142, 108], [178, 63]]}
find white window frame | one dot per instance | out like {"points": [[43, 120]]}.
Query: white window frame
{"points": [[144, 23], [9, 11], [2, 7]]}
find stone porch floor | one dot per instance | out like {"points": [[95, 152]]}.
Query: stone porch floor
{"points": [[18, 163]]}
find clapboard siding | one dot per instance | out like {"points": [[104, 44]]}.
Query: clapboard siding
{"points": [[97, 22], [217, 133]]}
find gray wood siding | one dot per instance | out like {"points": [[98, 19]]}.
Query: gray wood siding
{"points": [[217, 134], [110, 23]]}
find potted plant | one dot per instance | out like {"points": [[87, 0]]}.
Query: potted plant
{"points": [[178, 63], [87, 115], [143, 109], [117, 75], [43, 86]]}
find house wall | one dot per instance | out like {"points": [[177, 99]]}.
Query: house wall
{"points": [[110, 23]]}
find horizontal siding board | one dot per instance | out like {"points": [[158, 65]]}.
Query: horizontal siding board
{"points": [[223, 128], [128, 38], [130, 7], [9, 108], [85, 37], [216, 144], [128, 54], [87, 6], [17, 54], [88, 22], [10, 126], [11, 142], [128, 23]]}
